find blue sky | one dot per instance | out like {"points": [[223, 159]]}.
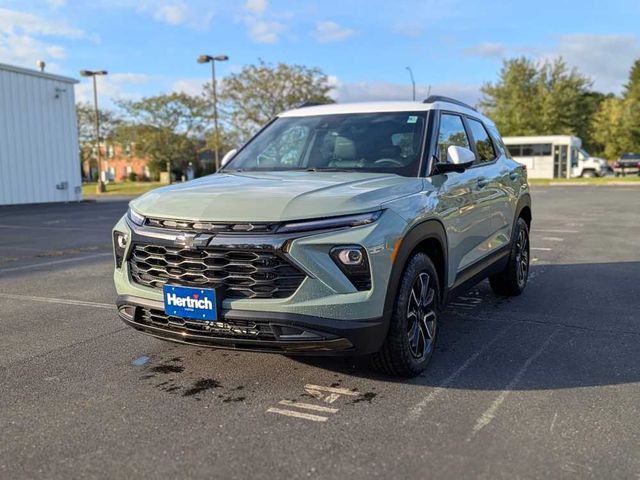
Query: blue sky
{"points": [[453, 46]]}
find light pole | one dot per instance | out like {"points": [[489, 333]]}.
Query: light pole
{"points": [[93, 75], [413, 82], [213, 60]]}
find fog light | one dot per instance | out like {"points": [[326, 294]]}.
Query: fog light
{"points": [[353, 261], [120, 241], [350, 256]]}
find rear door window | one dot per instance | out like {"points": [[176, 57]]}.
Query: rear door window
{"points": [[483, 144]]}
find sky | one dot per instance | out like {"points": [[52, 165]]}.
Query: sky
{"points": [[365, 46]]}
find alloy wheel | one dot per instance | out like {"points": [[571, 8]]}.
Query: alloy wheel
{"points": [[522, 257], [421, 316]]}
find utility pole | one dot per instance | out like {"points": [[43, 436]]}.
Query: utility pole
{"points": [[93, 74], [213, 60], [413, 83]]}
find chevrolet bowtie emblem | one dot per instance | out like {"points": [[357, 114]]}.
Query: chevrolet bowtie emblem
{"points": [[192, 240]]}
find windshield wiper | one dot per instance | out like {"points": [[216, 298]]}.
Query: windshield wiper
{"points": [[331, 169]]}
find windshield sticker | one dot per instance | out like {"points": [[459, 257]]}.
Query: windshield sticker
{"points": [[412, 119]]}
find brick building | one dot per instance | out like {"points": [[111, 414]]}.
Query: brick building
{"points": [[118, 162]]}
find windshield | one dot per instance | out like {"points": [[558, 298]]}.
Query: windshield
{"points": [[369, 142]]}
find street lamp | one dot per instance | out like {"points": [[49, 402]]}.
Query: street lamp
{"points": [[94, 74], [413, 82], [213, 60]]}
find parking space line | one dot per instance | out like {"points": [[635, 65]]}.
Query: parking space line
{"points": [[436, 391], [542, 249], [56, 262], [489, 414], [339, 391], [308, 406], [553, 239], [293, 413], [544, 230], [63, 301]]}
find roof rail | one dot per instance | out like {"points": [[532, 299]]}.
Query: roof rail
{"points": [[440, 98], [308, 103]]}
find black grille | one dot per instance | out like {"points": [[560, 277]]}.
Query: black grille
{"points": [[227, 329], [242, 273]]}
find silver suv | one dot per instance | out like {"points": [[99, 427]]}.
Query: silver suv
{"points": [[338, 229]]}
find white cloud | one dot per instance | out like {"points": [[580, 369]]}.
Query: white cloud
{"points": [[191, 86], [604, 58], [263, 31], [331, 32], [115, 86], [486, 50], [381, 91], [21, 42], [55, 4], [12, 21], [172, 14], [257, 7], [607, 59]]}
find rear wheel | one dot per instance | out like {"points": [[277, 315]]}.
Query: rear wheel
{"points": [[414, 324], [513, 278], [588, 173]]}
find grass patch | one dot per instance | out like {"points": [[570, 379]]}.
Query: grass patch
{"points": [[121, 188], [586, 181]]}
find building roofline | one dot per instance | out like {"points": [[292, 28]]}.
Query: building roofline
{"points": [[36, 73]]}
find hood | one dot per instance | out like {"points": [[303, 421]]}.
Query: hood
{"points": [[274, 196]]}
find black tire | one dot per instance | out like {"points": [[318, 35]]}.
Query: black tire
{"points": [[589, 174], [414, 315], [513, 279]]}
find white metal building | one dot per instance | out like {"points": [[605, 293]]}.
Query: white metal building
{"points": [[39, 159]]}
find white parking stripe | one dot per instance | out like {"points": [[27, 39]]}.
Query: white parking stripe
{"points": [[339, 391], [554, 231], [308, 406], [56, 262], [293, 413], [553, 239], [542, 249], [435, 392], [489, 414], [64, 301]]}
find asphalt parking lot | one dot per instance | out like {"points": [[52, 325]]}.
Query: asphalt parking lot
{"points": [[543, 385]]}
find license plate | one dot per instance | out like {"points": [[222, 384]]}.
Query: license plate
{"points": [[189, 302]]}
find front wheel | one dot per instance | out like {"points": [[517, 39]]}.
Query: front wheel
{"points": [[512, 280], [414, 324]]}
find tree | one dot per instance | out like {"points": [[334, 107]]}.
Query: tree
{"points": [[255, 95], [85, 114], [540, 99], [168, 129], [616, 125]]}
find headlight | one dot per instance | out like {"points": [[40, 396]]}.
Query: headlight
{"points": [[120, 241], [135, 217], [354, 263], [333, 222]]}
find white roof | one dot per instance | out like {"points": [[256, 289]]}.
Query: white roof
{"points": [[543, 139], [374, 107], [36, 73]]}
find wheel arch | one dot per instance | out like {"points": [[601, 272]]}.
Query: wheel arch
{"points": [[523, 210], [428, 237]]}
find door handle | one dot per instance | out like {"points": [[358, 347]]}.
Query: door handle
{"points": [[482, 182]]}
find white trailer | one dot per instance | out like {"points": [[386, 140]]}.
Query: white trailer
{"points": [[554, 156], [39, 154]]}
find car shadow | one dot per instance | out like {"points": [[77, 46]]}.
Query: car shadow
{"points": [[575, 326]]}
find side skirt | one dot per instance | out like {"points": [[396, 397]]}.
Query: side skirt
{"points": [[475, 273]]}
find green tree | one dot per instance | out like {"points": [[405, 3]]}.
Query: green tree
{"points": [[631, 101], [256, 94], [85, 114], [168, 129], [540, 99]]}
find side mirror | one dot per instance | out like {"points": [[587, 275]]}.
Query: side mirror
{"points": [[458, 160], [227, 158]]}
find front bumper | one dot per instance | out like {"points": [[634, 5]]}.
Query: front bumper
{"points": [[257, 331]]}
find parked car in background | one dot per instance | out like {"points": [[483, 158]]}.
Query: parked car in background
{"points": [[338, 230], [628, 163]]}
